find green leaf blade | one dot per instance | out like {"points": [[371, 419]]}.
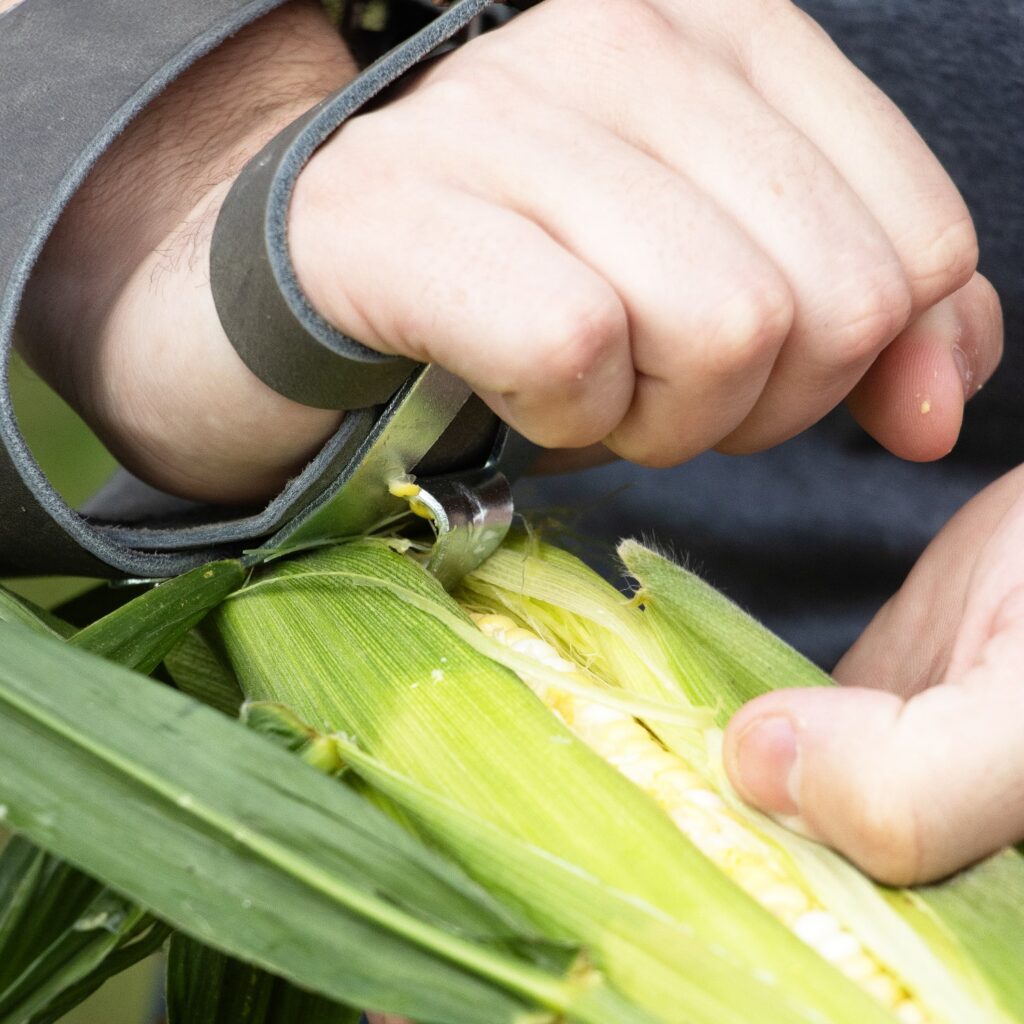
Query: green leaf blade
{"points": [[243, 846], [140, 633], [206, 987]]}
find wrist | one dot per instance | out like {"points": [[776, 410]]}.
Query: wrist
{"points": [[152, 199], [118, 316]]}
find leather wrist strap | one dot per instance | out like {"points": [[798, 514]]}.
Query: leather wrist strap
{"points": [[268, 319], [73, 75]]}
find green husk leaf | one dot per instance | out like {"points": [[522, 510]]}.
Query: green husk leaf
{"points": [[40, 899], [104, 925], [245, 848], [61, 934], [591, 623], [282, 726], [60, 962], [974, 922], [141, 632], [198, 670], [146, 940], [207, 987], [586, 619], [565, 899], [984, 907], [15, 608], [723, 656], [376, 661]]}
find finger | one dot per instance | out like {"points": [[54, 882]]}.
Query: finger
{"points": [[908, 645], [998, 571], [444, 277], [850, 294], [707, 310], [912, 399], [849, 291], [872, 145], [910, 791]]}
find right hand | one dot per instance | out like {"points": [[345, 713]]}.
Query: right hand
{"points": [[660, 224], [667, 225]]}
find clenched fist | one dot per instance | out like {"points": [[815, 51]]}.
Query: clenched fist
{"points": [[664, 225]]}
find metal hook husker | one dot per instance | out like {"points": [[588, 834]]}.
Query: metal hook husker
{"points": [[470, 508], [471, 513]]}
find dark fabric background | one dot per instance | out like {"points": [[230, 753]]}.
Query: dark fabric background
{"points": [[813, 536]]}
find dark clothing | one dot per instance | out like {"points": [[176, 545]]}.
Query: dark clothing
{"points": [[814, 535]]}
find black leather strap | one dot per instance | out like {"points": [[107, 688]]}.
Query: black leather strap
{"points": [[73, 74], [272, 325]]}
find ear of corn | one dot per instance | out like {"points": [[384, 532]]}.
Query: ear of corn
{"points": [[600, 809], [718, 656]]}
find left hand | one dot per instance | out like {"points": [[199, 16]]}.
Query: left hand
{"points": [[915, 768]]}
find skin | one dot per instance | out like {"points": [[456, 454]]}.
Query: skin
{"points": [[584, 250], [712, 263], [914, 768]]}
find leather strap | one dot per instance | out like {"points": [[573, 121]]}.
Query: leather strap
{"points": [[73, 75], [268, 319]]}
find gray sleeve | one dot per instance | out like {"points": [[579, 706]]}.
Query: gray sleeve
{"points": [[72, 76], [104, 60]]}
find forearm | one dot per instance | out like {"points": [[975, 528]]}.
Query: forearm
{"points": [[141, 225]]}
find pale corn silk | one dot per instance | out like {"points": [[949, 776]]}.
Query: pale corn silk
{"points": [[814, 535]]}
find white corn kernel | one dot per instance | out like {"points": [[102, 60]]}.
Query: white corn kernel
{"points": [[840, 947], [705, 798], [858, 967], [884, 988], [908, 1012], [817, 926]]}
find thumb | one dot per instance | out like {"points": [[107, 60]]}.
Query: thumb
{"points": [[910, 790]]}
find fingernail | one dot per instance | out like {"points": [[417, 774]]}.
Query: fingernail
{"points": [[768, 760], [966, 371]]}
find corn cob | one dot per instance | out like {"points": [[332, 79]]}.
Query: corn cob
{"points": [[694, 913], [702, 815]]}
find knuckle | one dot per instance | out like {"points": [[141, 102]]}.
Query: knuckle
{"points": [[750, 328], [871, 319], [616, 20], [944, 261], [579, 337], [456, 94]]}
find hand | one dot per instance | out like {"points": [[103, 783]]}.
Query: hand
{"points": [[915, 767], [660, 224]]}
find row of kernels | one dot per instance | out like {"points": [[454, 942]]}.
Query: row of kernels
{"points": [[703, 816]]}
